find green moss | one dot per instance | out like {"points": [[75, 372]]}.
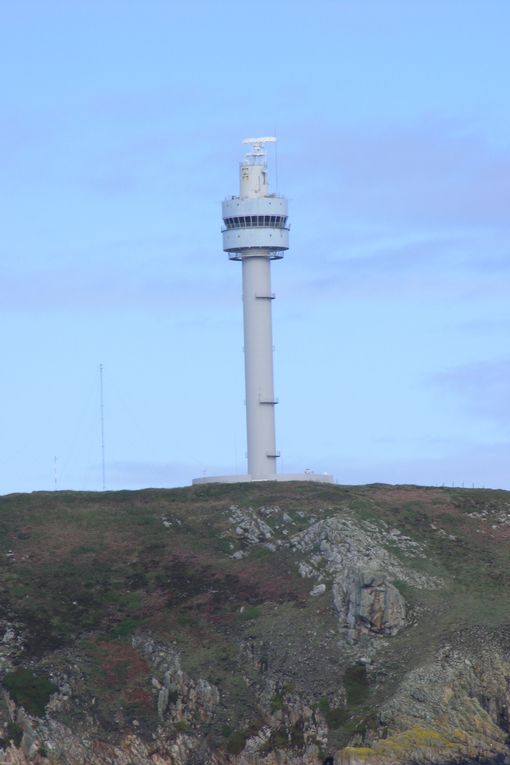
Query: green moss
{"points": [[29, 691]]}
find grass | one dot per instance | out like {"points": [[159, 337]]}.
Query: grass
{"points": [[356, 685], [250, 612]]}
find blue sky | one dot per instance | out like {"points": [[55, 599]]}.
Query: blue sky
{"points": [[120, 133]]}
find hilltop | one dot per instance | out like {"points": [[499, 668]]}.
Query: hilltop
{"points": [[255, 624]]}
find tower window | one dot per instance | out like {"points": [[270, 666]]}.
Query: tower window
{"points": [[248, 221]]}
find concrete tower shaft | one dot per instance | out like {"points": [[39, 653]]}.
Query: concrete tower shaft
{"points": [[258, 365], [255, 233]]}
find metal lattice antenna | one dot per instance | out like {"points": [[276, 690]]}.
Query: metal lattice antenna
{"points": [[103, 472]]}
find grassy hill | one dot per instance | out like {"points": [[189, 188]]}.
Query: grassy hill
{"points": [[94, 587]]}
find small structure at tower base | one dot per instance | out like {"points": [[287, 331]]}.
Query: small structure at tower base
{"points": [[309, 475]]}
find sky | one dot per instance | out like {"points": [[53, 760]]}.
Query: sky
{"points": [[120, 133]]}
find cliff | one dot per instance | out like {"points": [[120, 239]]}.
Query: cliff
{"points": [[256, 624]]}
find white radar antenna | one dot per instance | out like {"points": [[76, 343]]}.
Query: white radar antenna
{"points": [[257, 145]]}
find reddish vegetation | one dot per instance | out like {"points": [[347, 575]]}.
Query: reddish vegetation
{"points": [[395, 494], [197, 585], [139, 696], [122, 672], [116, 658], [438, 506], [62, 541]]}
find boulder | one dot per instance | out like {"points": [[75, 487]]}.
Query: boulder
{"points": [[373, 604]]}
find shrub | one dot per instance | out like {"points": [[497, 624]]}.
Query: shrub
{"points": [[297, 736], [14, 733], [279, 739], [236, 742], [250, 612], [356, 685], [277, 702], [29, 691], [125, 628], [336, 717]]}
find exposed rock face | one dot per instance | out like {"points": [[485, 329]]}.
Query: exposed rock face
{"points": [[179, 698], [373, 605], [11, 643], [454, 708], [340, 544], [354, 555]]}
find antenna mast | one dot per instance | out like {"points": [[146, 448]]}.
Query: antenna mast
{"points": [[102, 425]]}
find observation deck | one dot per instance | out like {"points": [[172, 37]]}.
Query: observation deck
{"points": [[255, 223]]}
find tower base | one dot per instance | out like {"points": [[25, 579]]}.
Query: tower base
{"points": [[309, 476]]}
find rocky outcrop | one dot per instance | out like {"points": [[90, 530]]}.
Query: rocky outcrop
{"points": [[251, 527], [453, 708], [337, 545], [180, 698], [373, 605], [11, 643], [357, 558]]}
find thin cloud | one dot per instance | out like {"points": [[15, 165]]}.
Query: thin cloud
{"points": [[421, 266], [78, 290], [111, 183], [497, 263], [434, 174], [139, 474], [482, 387], [485, 326], [478, 465]]}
